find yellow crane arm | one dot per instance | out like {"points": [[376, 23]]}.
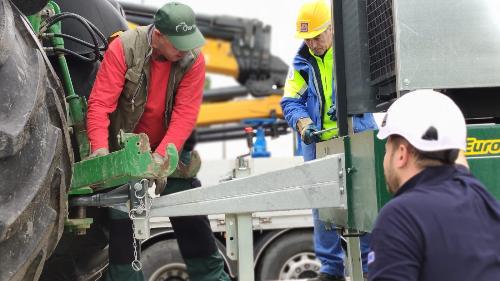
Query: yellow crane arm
{"points": [[235, 111]]}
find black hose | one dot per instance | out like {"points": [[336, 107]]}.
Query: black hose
{"points": [[70, 52], [76, 16], [84, 22], [91, 28], [72, 38]]}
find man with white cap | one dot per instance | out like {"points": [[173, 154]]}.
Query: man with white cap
{"points": [[442, 224]]}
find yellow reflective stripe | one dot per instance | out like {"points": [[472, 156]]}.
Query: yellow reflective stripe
{"points": [[325, 66], [295, 85]]}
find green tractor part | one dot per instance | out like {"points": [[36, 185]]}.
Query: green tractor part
{"points": [[77, 105], [133, 162]]}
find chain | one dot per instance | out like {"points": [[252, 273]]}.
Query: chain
{"points": [[136, 263], [143, 207]]}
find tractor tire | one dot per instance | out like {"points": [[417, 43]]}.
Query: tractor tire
{"points": [[35, 151]]}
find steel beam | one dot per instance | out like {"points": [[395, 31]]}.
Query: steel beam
{"points": [[315, 184]]}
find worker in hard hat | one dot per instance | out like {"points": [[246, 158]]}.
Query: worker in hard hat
{"points": [[442, 224], [151, 81], [309, 105]]}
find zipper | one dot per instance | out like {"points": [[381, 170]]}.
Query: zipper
{"points": [[137, 91], [141, 80]]}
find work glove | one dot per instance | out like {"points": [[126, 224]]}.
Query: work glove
{"points": [[332, 112], [189, 165], [99, 152], [160, 183], [308, 135]]}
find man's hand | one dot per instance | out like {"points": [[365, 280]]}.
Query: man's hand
{"points": [[99, 152], [332, 112], [308, 134], [160, 183]]}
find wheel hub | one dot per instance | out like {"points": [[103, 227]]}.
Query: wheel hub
{"points": [[170, 272], [300, 266]]}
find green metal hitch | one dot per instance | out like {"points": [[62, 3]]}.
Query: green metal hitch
{"points": [[133, 162]]}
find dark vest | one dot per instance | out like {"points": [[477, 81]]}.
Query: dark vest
{"points": [[137, 50]]}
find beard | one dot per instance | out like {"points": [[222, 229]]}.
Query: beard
{"points": [[391, 179]]}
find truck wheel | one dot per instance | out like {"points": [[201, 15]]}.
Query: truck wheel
{"points": [[162, 261], [35, 156], [290, 256]]}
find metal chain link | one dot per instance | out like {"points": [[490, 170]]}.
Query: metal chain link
{"points": [[136, 263]]}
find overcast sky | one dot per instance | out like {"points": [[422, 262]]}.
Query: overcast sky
{"points": [[280, 15]]}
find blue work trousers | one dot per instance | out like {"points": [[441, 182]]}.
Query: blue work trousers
{"points": [[328, 248]]}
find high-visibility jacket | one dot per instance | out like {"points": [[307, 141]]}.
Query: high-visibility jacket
{"points": [[309, 93]]}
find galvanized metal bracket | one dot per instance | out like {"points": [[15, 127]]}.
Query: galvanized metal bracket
{"points": [[231, 237], [314, 184], [140, 208]]}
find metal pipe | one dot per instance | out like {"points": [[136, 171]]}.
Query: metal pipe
{"points": [[99, 200]]}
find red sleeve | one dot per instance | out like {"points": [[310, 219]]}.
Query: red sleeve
{"points": [[103, 99], [186, 107]]}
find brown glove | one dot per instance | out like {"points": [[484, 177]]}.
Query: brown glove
{"points": [[161, 183]]}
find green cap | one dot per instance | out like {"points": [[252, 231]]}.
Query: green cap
{"points": [[177, 22]]}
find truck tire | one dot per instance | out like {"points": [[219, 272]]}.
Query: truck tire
{"points": [[35, 152], [163, 261], [291, 256]]}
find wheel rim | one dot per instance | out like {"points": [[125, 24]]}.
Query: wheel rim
{"points": [[300, 266], [170, 272]]}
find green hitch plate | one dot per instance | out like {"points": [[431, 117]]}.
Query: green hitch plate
{"points": [[133, 162], [78, 225]]}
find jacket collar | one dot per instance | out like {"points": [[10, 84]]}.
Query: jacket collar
{"points": [[428, 177]]}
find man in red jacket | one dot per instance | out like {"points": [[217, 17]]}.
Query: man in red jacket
{"points": [[151, 81]]}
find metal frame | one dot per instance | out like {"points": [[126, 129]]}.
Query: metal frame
{"points": [[314, 184]]}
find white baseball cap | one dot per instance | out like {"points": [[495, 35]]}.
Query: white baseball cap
{"points": [[429, 120]]}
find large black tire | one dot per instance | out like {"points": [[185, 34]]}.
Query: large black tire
{"points": [[291, 256], [35, 152], [163, 261]]}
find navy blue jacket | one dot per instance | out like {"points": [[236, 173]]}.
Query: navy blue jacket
{"points": [[442, 225]]}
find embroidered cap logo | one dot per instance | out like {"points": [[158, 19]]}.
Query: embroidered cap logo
{"points": [[183, 27]]}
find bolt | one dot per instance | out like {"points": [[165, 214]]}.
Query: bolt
{"points": [[138, 186], [406, 82]]}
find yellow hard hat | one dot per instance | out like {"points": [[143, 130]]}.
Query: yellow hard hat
{"points": [[314, 18]]}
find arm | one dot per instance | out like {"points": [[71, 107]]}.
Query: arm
{"points": [[364, 122], [186, 107], [294, 99], [396, 245], [104, 96]]}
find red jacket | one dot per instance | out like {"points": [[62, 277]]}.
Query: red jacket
{"points": [[108, 87]]}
